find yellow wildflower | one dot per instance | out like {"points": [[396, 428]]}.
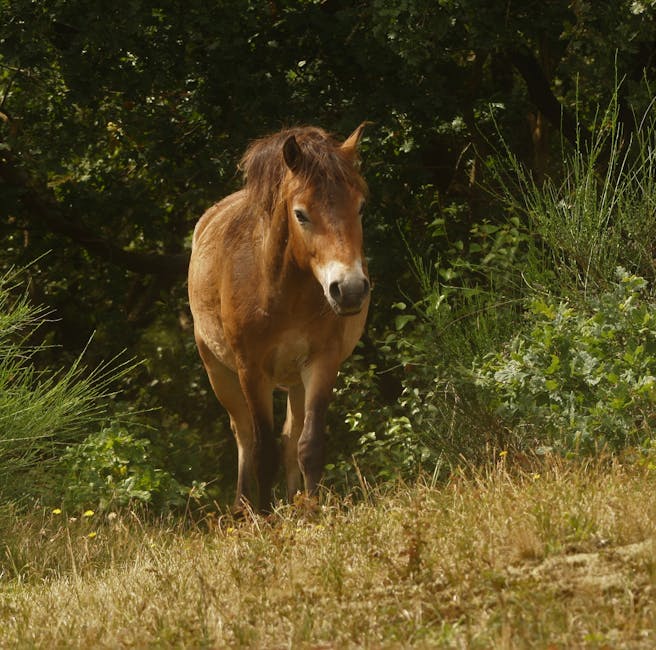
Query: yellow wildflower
{"points": [[92, 534], [88, 513], [57, 511]]}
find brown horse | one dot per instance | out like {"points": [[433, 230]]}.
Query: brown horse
{"points": [[279, 292]]}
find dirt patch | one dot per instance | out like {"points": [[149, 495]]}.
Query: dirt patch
{"points": [[620, 568]]}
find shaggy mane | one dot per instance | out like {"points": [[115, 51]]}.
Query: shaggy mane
{"points": [[324, 164]]}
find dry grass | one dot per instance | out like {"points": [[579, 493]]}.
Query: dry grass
{"points": [[559, 557]]}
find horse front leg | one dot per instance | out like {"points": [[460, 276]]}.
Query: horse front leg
{"points": [[290, 435], [227, 388], [259, 396], [319, 380]]}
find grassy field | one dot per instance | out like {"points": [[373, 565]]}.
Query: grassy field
{"points": [[557, 555]]}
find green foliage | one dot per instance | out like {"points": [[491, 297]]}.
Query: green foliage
{"points": [[580, 375], [188, 429], [114, 468], [380, 444], [467, 305], [583, 375], [41, 411], [50, 447]]}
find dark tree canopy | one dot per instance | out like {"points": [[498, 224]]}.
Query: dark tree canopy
{"points": [[121, 122]]}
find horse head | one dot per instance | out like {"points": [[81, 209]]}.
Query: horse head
{"points": [[324, 197]]}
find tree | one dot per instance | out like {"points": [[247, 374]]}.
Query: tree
{"points": [[120, 123]]}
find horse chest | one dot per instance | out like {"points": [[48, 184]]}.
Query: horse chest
{"points": [[288, 357]]}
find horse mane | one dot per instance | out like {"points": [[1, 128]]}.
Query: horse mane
{"points": [[323, 164]]}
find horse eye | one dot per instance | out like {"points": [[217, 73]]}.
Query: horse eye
{"points": [[301, 217]]}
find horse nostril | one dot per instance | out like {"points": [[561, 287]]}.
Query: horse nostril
{"points": [[349, 293], [335, 292]]}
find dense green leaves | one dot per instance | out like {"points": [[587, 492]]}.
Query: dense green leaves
{"points": [[581, 376], [114, 468]]}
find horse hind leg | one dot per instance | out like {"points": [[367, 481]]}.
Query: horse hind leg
{"points": [[230, 395], [290, 434]]}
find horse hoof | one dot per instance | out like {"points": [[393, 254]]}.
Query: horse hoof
{"points": [[306, 505]]}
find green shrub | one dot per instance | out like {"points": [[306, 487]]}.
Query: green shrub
{"points": [[583, 375], [382, 443], [582, 378], [115, 468], [54, 445], [467, 306]]}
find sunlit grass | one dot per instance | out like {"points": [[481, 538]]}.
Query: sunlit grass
{"points": [[553, 554]]}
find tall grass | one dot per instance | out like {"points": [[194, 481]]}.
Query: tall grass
{"points": [[597, 213], [41, 411], [556, 555]]}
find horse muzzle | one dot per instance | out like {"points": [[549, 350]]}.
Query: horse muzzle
{"points": [[345, 286], [347, 296]]}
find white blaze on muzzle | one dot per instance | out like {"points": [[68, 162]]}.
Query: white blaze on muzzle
{"points": [[345, 286]]}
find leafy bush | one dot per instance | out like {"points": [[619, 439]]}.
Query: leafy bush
{"points": [[115, 468], [53, 445], [584, 375], [379, 443], [467, 305]]}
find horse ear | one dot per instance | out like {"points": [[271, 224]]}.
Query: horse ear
{"points": [[350, 145], [292, 153]]}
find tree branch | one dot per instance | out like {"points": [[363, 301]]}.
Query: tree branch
{"points": [[540, 93], [40, 203]]}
